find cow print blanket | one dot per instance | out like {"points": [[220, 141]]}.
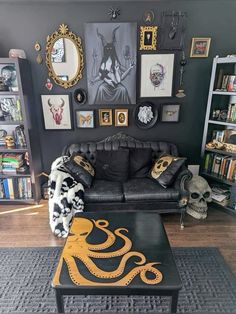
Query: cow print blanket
{"points": [[66, 198]]}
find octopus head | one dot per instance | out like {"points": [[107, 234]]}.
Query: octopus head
{"points": [[81, 227]]}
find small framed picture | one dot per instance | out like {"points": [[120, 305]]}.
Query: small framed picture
{"points": [[80, 96], [84, 118], [200, 47], [170, 113], [105, 117], [148, 38], [148, 17], [121, 117], [56, 112]]}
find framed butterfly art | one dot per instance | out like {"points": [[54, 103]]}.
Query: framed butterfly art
{"points": [[84, 118]]}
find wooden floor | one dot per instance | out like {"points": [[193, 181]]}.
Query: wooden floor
{"points": [[27, 225]]}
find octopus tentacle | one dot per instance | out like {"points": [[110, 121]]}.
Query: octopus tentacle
{"points": [[96, 271], [158, 275], [126, 247], [102, 224]]}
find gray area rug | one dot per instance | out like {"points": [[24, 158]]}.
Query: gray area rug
{"points": [[26, 273]]}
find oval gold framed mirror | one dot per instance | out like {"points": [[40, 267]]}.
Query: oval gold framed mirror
{"points": [[64, 57]]}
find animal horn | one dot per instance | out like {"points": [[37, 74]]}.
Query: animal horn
{"points": [[102, 38], [114, 34], [49, 103], [62, 102]]}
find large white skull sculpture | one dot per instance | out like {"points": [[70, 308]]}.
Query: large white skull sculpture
{"points": [[199, 195]]}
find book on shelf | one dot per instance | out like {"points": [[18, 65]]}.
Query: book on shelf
{"points": [[228, 83], [15, 188]]}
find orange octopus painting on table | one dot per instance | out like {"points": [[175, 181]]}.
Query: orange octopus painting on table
{"points": [[77, 247]]}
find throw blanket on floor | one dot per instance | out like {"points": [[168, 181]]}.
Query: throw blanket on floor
{"points": [[66, 198]]}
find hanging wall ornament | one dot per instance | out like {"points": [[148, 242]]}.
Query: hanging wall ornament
{"points": [[148, 17], [113, 13], [37, 46], [39, 59], [49, 84]]}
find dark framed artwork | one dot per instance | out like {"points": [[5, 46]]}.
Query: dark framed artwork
{"points": [[84, 119], [56, 112], [172, 30], [148, 38], [170, 113], [111, 50], [105, 117], [80, 96], [156, 75], [146, 115]]}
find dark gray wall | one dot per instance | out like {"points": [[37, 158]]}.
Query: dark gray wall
{"points": [[21, 25]]}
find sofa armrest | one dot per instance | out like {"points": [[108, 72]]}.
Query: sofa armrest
{"points": [[180, 184]]}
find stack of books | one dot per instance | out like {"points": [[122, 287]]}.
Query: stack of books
{"points": [[220, 194], [220, 165], [10, 162]]}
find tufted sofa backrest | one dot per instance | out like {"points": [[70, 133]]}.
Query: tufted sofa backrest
{"points": [[119, 140]]}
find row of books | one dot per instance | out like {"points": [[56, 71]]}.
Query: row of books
{"points": [[231, 114], [228, 83], [15, 188], [220, 165]]}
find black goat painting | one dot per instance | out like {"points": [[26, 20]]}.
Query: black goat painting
{"points": [[111, 62]]}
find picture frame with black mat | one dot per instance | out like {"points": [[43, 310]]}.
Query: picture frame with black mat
{"points": [[170, 113]]}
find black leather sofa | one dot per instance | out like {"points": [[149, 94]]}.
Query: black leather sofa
{"points": [[137, 193]]}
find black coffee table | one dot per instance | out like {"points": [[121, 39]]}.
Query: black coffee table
{"points": [[99, 258]]}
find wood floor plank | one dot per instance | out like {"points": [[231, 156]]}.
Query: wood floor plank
{"points": [[27, 226]]}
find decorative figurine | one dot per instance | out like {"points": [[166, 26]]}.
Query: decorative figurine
{"points": [[9, 140]]}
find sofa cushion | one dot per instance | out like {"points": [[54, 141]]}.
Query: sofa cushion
{"points": [[112, 165], [140, 161], [80, 169], [146, 189], [165, 169], [104, 191]]}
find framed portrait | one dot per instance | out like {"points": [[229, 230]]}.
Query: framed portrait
{"points": [[156, 75], [148, 17], [148, 38], [56, 112], [200, 47], [121, 117], [170, 113], [111, 59], [84, 118], [105, 117], [80, 96]]}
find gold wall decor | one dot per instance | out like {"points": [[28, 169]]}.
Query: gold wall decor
{"points": [[77, 247], [64, 57], [148, 38]]}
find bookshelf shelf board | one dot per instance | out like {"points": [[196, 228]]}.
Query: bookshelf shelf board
{"points": [[222, 123], [217, 178], [12, 175], [226, 209], [18, 201], [222, 152], [13, 150], [8, 93], [226, 60], [224, 93], [11, 122]]}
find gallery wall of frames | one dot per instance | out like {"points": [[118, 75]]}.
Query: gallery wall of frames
{"points": [[142, 68]]}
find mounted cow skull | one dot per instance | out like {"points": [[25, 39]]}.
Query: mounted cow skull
{"points": [[199, 195], [56, 110]]}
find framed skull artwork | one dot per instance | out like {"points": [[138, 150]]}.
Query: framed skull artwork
{"points": [[156, 75]]}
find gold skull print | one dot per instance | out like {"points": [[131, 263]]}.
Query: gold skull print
{"points": [[161, 165], [84, 163]]}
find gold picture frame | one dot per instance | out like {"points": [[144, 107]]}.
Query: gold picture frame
{"points": [[200, 47], [148, 38], [105, 117], [121, 117]]}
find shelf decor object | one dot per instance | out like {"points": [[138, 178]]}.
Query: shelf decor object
{"points": [[20, 162], [219, 136]]}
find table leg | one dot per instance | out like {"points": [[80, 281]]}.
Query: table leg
{"points": [[174, 301], [59, 299]]}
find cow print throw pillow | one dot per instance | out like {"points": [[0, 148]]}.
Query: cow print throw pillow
{"points": [[80, 169], [165, 169]]}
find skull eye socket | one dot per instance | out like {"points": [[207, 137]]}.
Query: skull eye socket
{"points": [[195, 195], [165, 163], [206, 195]]}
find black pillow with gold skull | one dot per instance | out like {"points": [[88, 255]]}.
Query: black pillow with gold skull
{"points": [[80, 169], [165, 169]]}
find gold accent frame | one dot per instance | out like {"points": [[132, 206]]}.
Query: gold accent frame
{"points": [[153, 44], [117, 123], [63, 32], [205, 55], [101, 122]]}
